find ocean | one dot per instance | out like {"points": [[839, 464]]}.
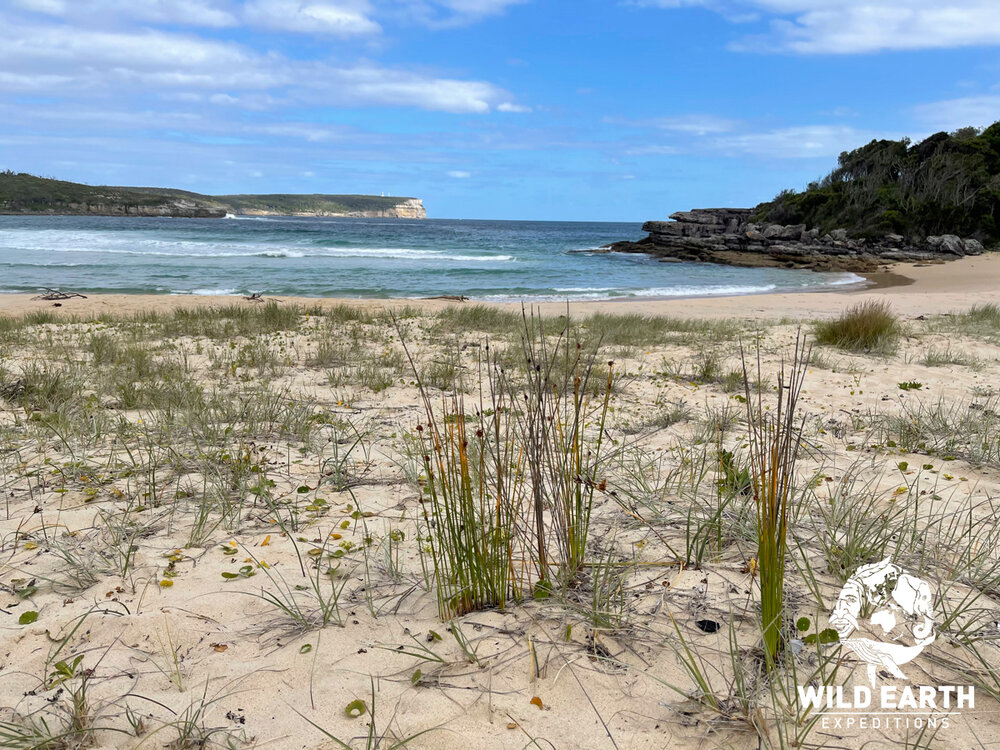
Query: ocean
{"points": [[374, 258]]}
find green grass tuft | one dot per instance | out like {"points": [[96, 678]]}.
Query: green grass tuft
{"points": [[868, 327]]}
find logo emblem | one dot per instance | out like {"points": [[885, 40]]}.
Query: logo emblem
{"points": [[892, 601]]}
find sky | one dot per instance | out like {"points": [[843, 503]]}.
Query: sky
{"points": [[591, 110]]}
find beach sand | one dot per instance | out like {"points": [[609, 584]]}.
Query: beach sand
{"points": [[912, 289], [143, 522]]}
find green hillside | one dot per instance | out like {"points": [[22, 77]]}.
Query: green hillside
{"points": [[949, 183], [21, 192], [25, 193], [316, 203]]}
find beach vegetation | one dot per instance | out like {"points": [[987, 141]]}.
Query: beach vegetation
{"points": [[935, 357], [509, 486], [137, 472], [773, 446], [870, 326]]}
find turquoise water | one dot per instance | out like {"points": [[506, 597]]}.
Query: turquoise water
{"points": [[487, 260]]}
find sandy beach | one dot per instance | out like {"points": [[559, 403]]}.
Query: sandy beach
{"points": [[912, 289], [213, 529]]}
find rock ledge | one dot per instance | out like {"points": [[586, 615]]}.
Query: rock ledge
{"points": [[727, 236]]}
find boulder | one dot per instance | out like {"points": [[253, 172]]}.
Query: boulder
{"points": [[781, 232], [973, 247], [952, 244]]}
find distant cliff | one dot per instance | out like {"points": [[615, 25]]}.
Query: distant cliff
{"points": [[22, 193]]}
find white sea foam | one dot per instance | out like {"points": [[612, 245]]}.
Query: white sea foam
{"points": [[195, 250], [216, 292]]}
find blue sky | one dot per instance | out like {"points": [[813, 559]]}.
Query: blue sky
{"points": [[500, 109]]}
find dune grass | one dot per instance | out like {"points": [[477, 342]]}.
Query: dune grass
{"points": [[545, 485], [867, 327]]}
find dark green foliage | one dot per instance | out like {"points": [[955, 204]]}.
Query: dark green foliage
{"points": [[22, 192], [734, 479], [946, 184], [25, 192]]}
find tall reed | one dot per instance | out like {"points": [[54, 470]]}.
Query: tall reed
{"points": [[508, 487], [774, 439], [564, 426], [473, 505]]}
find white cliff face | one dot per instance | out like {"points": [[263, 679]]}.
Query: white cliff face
{"points": [[408, 209], [412, 208]]}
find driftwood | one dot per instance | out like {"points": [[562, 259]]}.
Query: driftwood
{"points": [[53, 294], [258, 297], [452, 297]]}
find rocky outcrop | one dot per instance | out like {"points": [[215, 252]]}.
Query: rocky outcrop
{"points": [[729, 237]]}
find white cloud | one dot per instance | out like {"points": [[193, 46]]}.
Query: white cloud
{"points": [[860, 26], [186, 12], [459, 174], [74, 61], [511, 107], [668, 3], [693, 124], [451, 13], [978, 111], [479, 7], [652, 151], [344, 18], [396, 88], [806, 142]]}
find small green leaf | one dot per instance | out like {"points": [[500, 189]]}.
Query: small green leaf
{"points": [[829, 636], [304, 489], [356, 708], [415, 678], [902, 466], [27, 618], [230, 576], [543, 590], [802, 624], [306, 648], [434, 635]]}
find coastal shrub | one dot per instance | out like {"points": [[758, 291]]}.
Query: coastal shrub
{"points": [[868, 327]]}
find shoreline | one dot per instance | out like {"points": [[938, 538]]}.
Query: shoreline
{"points": [[911, 288]]}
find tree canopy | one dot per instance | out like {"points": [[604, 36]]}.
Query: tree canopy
{"points": [[949, 183]]}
